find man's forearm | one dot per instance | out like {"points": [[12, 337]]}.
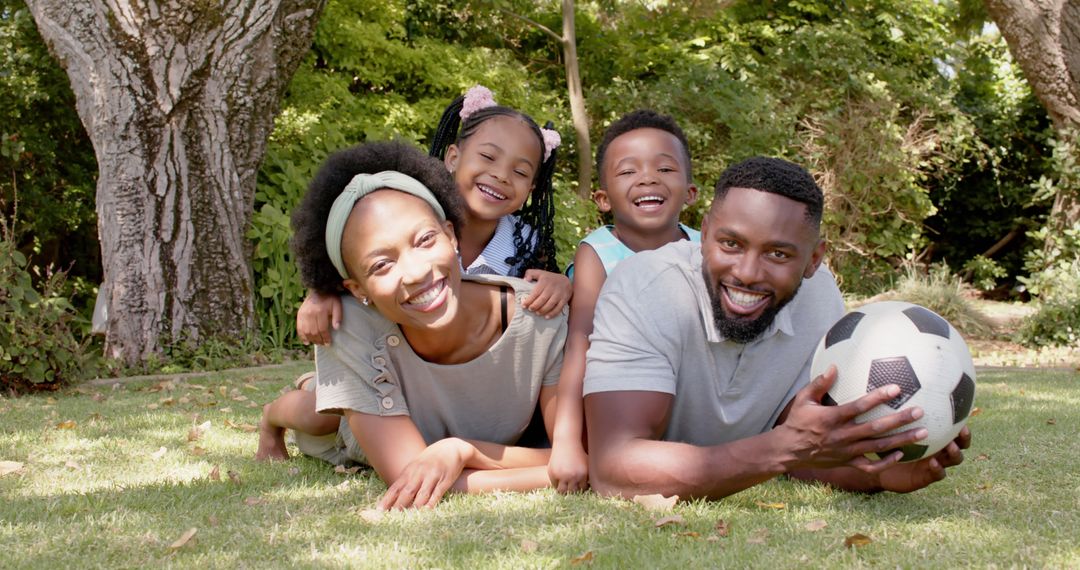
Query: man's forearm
{"points": [[642, 466]]}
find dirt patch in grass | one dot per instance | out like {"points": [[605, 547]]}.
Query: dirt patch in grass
{"points": [[999, 348]]}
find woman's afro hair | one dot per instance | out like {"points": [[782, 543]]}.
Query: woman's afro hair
{"points": [[309, 218]]}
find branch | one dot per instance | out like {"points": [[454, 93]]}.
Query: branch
{"points": [[534, 23]]}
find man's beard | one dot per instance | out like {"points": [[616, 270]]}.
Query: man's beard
{"points": [[740, 330]]}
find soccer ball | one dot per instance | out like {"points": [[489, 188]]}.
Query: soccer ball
{"points": [[893, 342]]}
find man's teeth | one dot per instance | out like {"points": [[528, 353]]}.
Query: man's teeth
{"points": [[490, 192], [644, 199], [743, 299], [427, 296]]}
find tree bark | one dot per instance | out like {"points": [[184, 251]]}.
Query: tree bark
{"points": [[577, 100], [1044, 39], [178, 98]]}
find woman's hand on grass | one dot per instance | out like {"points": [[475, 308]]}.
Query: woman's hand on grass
{"points": [[424, 481], [551, 293]]}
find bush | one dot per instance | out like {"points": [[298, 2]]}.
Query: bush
{"points": [[946, 294], [1057, 323], [38, 348]]}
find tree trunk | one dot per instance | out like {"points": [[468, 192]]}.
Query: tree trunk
{"points": [[577, 100], [1044, 39], [178, 99]]}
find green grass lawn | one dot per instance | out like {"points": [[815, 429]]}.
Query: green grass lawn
{"points": [[115, 476]]}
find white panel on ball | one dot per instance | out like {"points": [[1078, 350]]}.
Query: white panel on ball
{"points": [[893, 342]]}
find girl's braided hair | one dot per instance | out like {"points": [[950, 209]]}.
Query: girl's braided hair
{"points": [[538, 212]]}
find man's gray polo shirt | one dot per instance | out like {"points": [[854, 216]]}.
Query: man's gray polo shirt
{"points": [[654, 331]]}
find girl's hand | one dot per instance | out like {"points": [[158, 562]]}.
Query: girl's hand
{"points": [[568, 468], [424, 481], [551, 294], [317, 314]]}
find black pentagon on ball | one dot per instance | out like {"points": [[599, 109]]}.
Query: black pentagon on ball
{"points": [[962, 397], [911, 451], [927, 322], [843, 329], [894, 370]]}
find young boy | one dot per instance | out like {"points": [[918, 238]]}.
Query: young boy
{"points": [[645, 180]]}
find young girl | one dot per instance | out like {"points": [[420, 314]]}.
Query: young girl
{"points": [[433, 376], [502, 164], [643, 163]]}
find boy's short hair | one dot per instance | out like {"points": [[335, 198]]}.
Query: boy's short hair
{"points": [[776, 176], [641, 119], [309, 218]]}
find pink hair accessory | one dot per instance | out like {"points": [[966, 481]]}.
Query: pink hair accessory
{"points": [[476, 98], [552, 140]]}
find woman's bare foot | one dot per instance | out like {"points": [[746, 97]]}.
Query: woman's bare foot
{"points": [[271, 441]]}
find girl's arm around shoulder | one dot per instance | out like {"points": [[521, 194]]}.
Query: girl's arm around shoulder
{"points": [[550, 294]]}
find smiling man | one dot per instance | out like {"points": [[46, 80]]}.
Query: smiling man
{"points": [[698, 377]]}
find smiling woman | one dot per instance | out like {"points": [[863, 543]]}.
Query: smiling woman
{"points": [[433, 376]]}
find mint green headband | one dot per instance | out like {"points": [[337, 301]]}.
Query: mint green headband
{"points": [[361, 185]]}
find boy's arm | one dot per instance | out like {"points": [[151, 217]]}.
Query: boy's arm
{"points": [[568, 469]]}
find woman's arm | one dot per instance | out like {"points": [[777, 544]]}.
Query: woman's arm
{"points": [[419, 474], [568, 469]]}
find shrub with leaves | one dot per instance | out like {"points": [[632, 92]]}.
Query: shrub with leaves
{"points": [[38, 348], [939, 290]]}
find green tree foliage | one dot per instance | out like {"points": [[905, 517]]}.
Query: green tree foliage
{"points": [[46, 159], [38, 344]]}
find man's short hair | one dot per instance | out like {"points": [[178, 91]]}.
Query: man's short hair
{"points": [[776, 176]]}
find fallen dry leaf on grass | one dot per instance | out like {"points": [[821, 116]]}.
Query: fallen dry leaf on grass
{"points": [[225, 410], [775, 506], [982, 457], [688, 534], [215, 474], [159, 453], [243, 427], [66, 424], [722, 528], [372, 515], [656, 502], [758, 537], [857, 540], [198, 451], [673, 519], [9, 467], [528, 546], [974, 412], [98, 397], [72, 464], [585, 558], [345, 470], [1051, 422], [184, 538], [212, 520], [196, 432], [816, 525], [233, 476], [152, 406], [252, 501]]}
